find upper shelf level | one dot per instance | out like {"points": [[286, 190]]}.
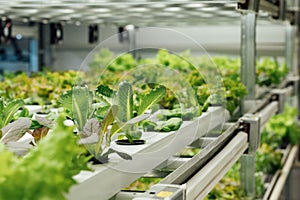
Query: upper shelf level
{"points": [[138, 12]]}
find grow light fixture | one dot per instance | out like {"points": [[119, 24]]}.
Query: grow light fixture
{"points": [[45, 21], [93, 33]]}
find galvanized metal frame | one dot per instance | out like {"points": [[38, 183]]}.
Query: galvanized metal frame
{"points": [[255, 122], [158, 149], [251, 124], [201, 183], [290, 47], [248, 53]]}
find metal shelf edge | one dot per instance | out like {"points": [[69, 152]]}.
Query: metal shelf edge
{"points": [[200, 184], [279, 185], [156, 152]]}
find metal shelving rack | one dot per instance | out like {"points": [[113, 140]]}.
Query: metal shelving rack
{"points": [[192, 178], [248, 52]]}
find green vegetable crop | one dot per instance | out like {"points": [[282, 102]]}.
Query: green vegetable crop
{"points": [[47, 171]]}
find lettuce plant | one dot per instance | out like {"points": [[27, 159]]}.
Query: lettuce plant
{"points": [[127, 117], [47, 171], [79, 107], [282, 129]]}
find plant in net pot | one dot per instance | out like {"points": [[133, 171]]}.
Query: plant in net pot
{"points": [[92, 120], [128, 118]]}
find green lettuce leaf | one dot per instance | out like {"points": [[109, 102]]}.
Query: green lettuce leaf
{"points": [[47, 171], [125, 101], [151, 98], [9, 110]]}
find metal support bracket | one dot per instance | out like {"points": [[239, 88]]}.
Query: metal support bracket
{"points": [[293, 81], [281, 96], [251, 125]]}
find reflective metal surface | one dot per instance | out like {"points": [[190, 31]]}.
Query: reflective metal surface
{"points": [[140, 13]]}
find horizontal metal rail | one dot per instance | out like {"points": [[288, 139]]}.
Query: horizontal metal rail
{"points": [[203, 182], [186, 170], [270, 186], [276, 192], [266, 113]]}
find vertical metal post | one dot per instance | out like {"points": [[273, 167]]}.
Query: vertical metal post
{"points": [[291, 59], [248, 78], [45, 51], [131, 39], [33, 49], [248, 53], [289, 49], [251, 124], [247, 173], [297, 41]]}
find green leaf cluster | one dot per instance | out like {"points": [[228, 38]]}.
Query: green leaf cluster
{"points": [[268, 159], [229, 186], [270, 72], [172, 124], [282, 129], [47, 171], [43, 88], [127, 111]]}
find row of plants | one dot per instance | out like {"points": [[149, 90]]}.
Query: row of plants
{"points": [[41, 88], [192, 80], [207, 81], [269, 71], [92, 112], [113, 108]]}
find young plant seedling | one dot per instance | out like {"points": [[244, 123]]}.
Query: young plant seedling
{"points": [[80, 107], [126, 119]]}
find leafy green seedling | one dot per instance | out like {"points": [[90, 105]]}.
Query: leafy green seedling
{"points": [[50, 167], [172, 124], [126, 121], [79, 106]]}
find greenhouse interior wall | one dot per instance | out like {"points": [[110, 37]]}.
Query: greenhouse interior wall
{"points": [[223, 39]]}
